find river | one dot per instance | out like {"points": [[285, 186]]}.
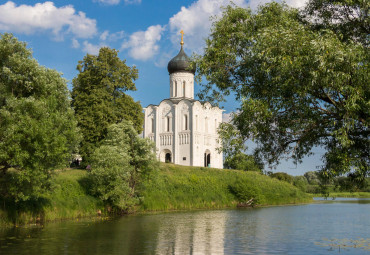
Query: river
{"points": [[341, 226]]}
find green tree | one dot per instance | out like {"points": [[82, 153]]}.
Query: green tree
{"points": [[99, 99], [118, 165], [233, 147], [283, 177], [312, 177], [299, 86], [38, 131]]}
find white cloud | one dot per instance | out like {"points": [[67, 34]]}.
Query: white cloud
{"points": [[29, 19], [293, 3], [108, 2], [296, 3], [92, 48], [132, 1], [227, 117], [75, 43], [143, 45], [195, 21], [115, 2], [106, 36]]}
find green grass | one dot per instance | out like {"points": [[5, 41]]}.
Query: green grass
{"points": [[175, 187], [350, 194], [68, 199], [171, 187]]}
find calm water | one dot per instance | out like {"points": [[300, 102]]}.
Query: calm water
{"points": [[319, 228]]}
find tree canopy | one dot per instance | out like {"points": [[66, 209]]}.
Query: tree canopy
{"points": [[38, 130], [300, 83], [99, 99], [233, 147]]}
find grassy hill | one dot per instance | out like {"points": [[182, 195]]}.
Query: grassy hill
{"points": [[176, 187], [171, 187]]}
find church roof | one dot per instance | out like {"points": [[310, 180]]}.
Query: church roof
{"points": [[180, 63], [178, 100]]}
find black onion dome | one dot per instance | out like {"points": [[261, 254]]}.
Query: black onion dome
{"points": [[180, 63]]}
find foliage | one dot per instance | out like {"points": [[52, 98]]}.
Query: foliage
{"points": [[68, 199], [175, 187], [233, 147], [312, 177], [299, 85], [283, 177], [38, 131], [300, 182], [118, 165], [247, 192], [99, 98], [347, 18]]}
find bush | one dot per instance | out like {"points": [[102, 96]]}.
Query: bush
{"points": [[118, 165], [245, 192]]}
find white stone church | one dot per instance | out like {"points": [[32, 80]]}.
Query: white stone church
{"points": [[184, 129]]}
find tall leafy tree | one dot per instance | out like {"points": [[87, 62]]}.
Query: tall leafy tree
{"points": [[299, 85], [38, 131], [99, 99]]}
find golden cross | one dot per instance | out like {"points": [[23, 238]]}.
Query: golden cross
{"points": [[182, 37]]}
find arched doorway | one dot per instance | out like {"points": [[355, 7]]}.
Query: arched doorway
{"points": [[166, 156], [207, 158]]}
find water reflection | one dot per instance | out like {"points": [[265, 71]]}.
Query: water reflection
{"points": [[192, 233], [274, 230]]}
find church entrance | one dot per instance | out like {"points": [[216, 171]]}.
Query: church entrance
{"points": [[166, 156], [207, 158]]}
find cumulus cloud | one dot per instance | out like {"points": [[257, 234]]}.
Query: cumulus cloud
{"points": [[75, 43], [293, 3], [143, 45], [106, 36], [92, 49], [132, 1], [108, 2], [115, 2], [227, 117], [195, 21], [29, 19]]}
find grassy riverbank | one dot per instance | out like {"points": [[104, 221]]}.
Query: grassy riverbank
{"points": [[350, 194], [176, 187], [68, 199], [171, 187]]}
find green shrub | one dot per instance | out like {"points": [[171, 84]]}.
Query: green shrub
{"points": [[245, 192], [118, 165]]}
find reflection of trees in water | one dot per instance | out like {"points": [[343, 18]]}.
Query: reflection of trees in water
{"points": [[193, 233]]}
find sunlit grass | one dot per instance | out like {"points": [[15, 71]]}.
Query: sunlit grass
{"points": [[176, 187]]}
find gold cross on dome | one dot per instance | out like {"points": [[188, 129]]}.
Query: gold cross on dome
{"points": [[182, 37]]}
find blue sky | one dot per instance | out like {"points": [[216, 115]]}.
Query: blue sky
{"points": [[145, 32]]}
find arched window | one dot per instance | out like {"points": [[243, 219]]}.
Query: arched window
{"points": [[152, 124], [183, 89], [168, 124], [185, 122], [175, 88]]}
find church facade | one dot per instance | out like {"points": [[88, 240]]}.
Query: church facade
{"points": [[184, 129]]}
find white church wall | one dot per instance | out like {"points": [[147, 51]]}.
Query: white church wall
{"points": [[176, 85]]}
